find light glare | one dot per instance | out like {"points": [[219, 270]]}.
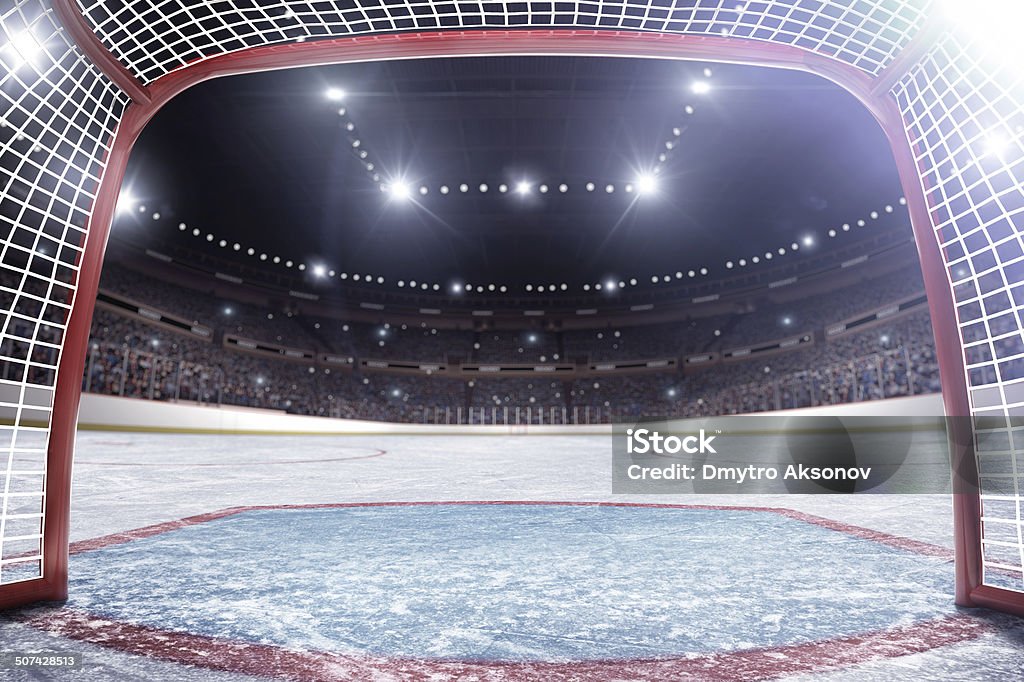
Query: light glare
{"points": [[125, 203], [994, 24], [647, 184], [27, 47], [399, 190]]}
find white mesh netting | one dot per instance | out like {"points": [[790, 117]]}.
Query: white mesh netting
{"points": [[57, 116], [157, 36], [964, 111]]}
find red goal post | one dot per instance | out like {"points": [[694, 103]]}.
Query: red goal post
{"points": [[83, 79]]}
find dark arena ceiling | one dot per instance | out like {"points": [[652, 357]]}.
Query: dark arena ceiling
{"points": [[761, 160]]}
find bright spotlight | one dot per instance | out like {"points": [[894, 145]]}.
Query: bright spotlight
{"points": [[808, 240], [399, 190], [996, 144], [523, 187], [125, 203], [26, 46], [647, 184], [700, 87], [319, 271], [335, 94], [993, 24], [456, 288]]}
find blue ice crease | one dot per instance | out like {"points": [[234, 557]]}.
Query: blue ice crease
{"points": [[511, 582]]}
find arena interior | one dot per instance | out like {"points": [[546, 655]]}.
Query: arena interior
{"points": [[326, 327]]}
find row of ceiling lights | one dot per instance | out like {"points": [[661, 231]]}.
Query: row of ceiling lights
{"points": [[399, 188], [127, 205], [808, 240], [645, 183]]}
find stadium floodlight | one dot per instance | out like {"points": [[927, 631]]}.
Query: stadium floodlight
{"points": [[319, 271], [700, 87], [995, 144], [610, 285], [993, 24], [456, 288], [522, 187], [399, 190], [808, 240], [647, 183], [125, 203], [26, 46], [335, 94]]}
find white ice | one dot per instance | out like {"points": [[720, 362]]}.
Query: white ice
{"points": [[124, 481]]}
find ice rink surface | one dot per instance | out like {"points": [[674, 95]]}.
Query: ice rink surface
{"points": [[761, 579]]}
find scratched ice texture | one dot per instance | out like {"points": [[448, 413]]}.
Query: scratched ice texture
{"points": [[511, 583], [741, 578]]}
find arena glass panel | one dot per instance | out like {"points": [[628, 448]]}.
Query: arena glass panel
{"points": [[154, 50]]}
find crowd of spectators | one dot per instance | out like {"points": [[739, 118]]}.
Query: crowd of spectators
{"points": [[132, 357], [196, 306], [886, 361], [651, 341], [770, 321], [415, 343], [286, 324]]}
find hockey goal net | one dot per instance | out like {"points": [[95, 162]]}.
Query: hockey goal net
{"points": [[80, 80]]}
